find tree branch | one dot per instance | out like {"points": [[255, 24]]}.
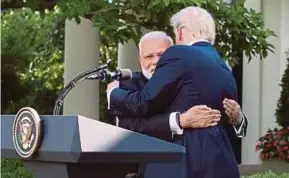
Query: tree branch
{"points": [[17, 4], [11, 4]]}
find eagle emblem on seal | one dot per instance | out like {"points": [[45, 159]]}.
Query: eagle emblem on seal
{"points": [[26, 135]]}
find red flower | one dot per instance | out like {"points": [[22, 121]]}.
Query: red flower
{"points": [[280, 132], [274, 144]]}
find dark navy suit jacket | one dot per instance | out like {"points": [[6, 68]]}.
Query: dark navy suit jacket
{"points": [[186, 76], [158, 125], [155, 126]]}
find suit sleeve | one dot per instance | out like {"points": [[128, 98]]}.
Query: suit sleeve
{"points": [[157, 94], [241, 130], [155, 126]]}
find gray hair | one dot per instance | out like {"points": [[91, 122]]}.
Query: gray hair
{"points": [[155, 35], [198, 21]]}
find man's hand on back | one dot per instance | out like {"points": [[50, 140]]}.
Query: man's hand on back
{"points": [[200, 117], [233, 111]]}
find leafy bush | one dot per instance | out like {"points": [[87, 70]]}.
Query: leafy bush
{"points": [[14, 169], [282, 111], [32, 60]]}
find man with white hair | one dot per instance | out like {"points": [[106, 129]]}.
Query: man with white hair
{"points": [[188, 74], [151, 46], [163, 125]]}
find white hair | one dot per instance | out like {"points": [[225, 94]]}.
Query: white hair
{"points": [[155, 35], [198, 21]]}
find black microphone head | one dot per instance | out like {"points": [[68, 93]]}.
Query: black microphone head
{"points": [[125, 74]]}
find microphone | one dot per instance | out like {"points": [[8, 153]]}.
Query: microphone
{"points": [[106, 75], [121, 74]]}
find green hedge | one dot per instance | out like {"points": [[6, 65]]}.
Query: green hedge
{"points": [[16, 169]]}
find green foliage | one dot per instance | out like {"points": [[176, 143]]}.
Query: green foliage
{"points": [[14, 169], [32, 59], [39, 5], [268, 174], [238, 29], [27, 35], [32, 69], [282, 111], [33, 44]]}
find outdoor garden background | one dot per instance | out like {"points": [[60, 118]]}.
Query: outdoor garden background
{"points": [[32, 57]]}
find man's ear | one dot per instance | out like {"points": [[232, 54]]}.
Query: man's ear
{"points": [[180, 34]]}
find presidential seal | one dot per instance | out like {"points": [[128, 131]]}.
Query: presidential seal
{"points": [[26, 132]]}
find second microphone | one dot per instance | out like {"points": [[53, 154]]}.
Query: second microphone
{"points": [[106, 75]]}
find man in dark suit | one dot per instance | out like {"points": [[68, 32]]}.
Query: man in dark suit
{"points": [[151, 46], [160, 125], [172, 87]]}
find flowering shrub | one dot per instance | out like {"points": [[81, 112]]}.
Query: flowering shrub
{"points": [[274, 144]]}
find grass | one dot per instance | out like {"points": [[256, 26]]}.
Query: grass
{"points": [[268, 174]]}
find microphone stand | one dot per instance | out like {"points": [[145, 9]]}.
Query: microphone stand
{"points": [[98, 73]]}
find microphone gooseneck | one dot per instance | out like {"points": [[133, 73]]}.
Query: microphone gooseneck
{"points": [[59, 102], [100, 73]]}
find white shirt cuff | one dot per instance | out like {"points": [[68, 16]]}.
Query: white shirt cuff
{"points": [[240, 130], [108, 97], [175, 129], [116, 121]]}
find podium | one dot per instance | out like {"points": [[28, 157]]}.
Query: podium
{"points": [[79, 147]]}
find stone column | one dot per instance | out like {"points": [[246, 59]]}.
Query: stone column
{"points": [[285, 35], [275, 17], [81, 54], [252, 100], [128, 56]]}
